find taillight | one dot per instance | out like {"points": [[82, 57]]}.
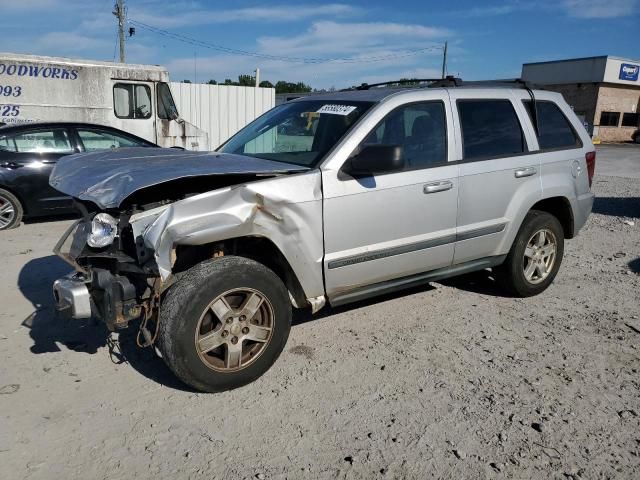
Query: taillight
{"points": [[590, 157]]}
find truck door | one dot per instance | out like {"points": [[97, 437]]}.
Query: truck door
{"points": [[133, 108], [173, 131]]}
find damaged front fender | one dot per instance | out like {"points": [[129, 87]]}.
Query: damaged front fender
{"points": [[286, 210]]}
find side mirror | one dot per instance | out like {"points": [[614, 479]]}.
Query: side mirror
{"points": [[373, 159]]}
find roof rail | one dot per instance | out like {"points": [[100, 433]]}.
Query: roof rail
{"points": [[407, 82], [447, 82]]}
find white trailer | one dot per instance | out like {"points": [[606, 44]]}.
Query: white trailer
{"points": [[133, 98]]}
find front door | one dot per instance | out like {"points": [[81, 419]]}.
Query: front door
{"points": [[391, 226], [31, 156]]}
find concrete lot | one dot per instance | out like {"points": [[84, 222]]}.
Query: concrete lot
{"points": [[453, 380]]}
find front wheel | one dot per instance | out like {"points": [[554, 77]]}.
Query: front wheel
{"points": [[224, 323], [535, 256]]}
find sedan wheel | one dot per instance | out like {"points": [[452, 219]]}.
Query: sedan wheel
{"points": [[10, 210]]}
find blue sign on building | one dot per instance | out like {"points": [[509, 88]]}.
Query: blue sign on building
{"points": [[629, 72]]}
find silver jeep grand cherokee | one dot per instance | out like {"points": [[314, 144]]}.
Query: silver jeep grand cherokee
{"points": [[330, 198]]}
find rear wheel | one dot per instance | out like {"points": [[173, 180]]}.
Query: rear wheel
{"points": [[535, 256], [224, 323], [10, 210]]}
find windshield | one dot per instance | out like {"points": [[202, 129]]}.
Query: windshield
{"points": [[298, 132], [166, 107]]}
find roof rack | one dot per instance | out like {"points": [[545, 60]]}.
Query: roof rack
{"points": [[448, 81]]}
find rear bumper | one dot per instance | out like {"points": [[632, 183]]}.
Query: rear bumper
{"points": [[72, 296], [584, 205]]}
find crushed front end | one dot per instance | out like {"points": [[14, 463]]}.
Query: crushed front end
{"points": [[115, 277]]}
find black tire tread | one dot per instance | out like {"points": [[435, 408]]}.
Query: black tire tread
{"points": [[181, 294], [509, 275]]}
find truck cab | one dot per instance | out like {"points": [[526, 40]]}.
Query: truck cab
{"points": [[133, 98]]}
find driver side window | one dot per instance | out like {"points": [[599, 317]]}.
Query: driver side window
{"points": [[132, 100], [419, 128]]}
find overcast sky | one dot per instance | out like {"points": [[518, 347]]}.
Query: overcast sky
{"points": [[486, 40]]}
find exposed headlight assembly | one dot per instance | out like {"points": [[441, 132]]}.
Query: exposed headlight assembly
{"points": [[104, 229]]}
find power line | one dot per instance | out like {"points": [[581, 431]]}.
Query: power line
{"points": [[234, 51]]}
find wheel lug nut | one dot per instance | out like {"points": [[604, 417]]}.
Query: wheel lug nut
{"points": [[229, 320], [245, 330], [234, 340], [242, 318], [225, 334]]}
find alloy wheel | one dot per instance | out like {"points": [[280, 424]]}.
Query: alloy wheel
{"points": [[7, 212], [540, 256], [234, 330]]}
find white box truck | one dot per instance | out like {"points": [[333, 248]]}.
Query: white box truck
{"points": [[133, 98]]}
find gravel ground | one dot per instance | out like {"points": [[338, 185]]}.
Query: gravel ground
{"points": [[453, 380]]}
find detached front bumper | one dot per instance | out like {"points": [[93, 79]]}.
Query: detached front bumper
{"points": [[72, 296], [111, 298]]}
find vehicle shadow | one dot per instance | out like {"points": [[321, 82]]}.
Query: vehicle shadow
{"points": [[634, 265], [304, 315], [617, 206], [50, 332]]}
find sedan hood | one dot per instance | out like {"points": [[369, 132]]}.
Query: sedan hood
{"points": [[107, 178]]}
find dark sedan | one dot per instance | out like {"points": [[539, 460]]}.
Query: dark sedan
{"points": [[28, 153]]}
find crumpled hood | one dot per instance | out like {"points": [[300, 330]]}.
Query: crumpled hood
{"points": [[106, 178]]}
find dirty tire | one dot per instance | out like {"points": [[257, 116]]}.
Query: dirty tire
{"points": [[10, 210], [182, 309], [511, 275]]}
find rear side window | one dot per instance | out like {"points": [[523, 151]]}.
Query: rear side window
{"points": [[554, 130], [490, 128], [101, 140], [131, 100]]}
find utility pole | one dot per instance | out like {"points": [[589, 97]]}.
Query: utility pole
{"points": [[257, 72], [119, 12], [444, 61]]}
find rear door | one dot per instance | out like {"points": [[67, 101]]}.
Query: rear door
{"points": [[29, 157], [499, 173], [386, 228]]}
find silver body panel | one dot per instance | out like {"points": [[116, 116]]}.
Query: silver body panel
{"points": [[341, 234]]}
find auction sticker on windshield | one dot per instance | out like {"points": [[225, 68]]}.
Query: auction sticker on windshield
{"points": [[337, 109]]}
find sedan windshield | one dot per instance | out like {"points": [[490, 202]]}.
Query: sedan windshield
{"points": [[299, 132]]}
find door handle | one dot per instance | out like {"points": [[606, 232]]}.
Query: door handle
{"points": [[437, 187], [525, 172]]}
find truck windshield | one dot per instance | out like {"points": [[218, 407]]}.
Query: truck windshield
{"points": [[166, 107], [298, 132]]}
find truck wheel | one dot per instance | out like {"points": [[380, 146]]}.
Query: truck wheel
{"points": [[224, 323], [10, 210], [535, 256]]}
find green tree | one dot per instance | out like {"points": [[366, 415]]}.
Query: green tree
{"points": [[288, 87], [212, 82], [186, 81], [266, 84]]}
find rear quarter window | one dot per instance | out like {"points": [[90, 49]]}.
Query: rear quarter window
{"points": [[554, 129], [490, 129]]}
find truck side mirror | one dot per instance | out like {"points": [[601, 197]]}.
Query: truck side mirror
{"points": [[375, 159]]}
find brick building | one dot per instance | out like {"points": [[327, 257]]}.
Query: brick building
{"points": [[603, 91]]}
